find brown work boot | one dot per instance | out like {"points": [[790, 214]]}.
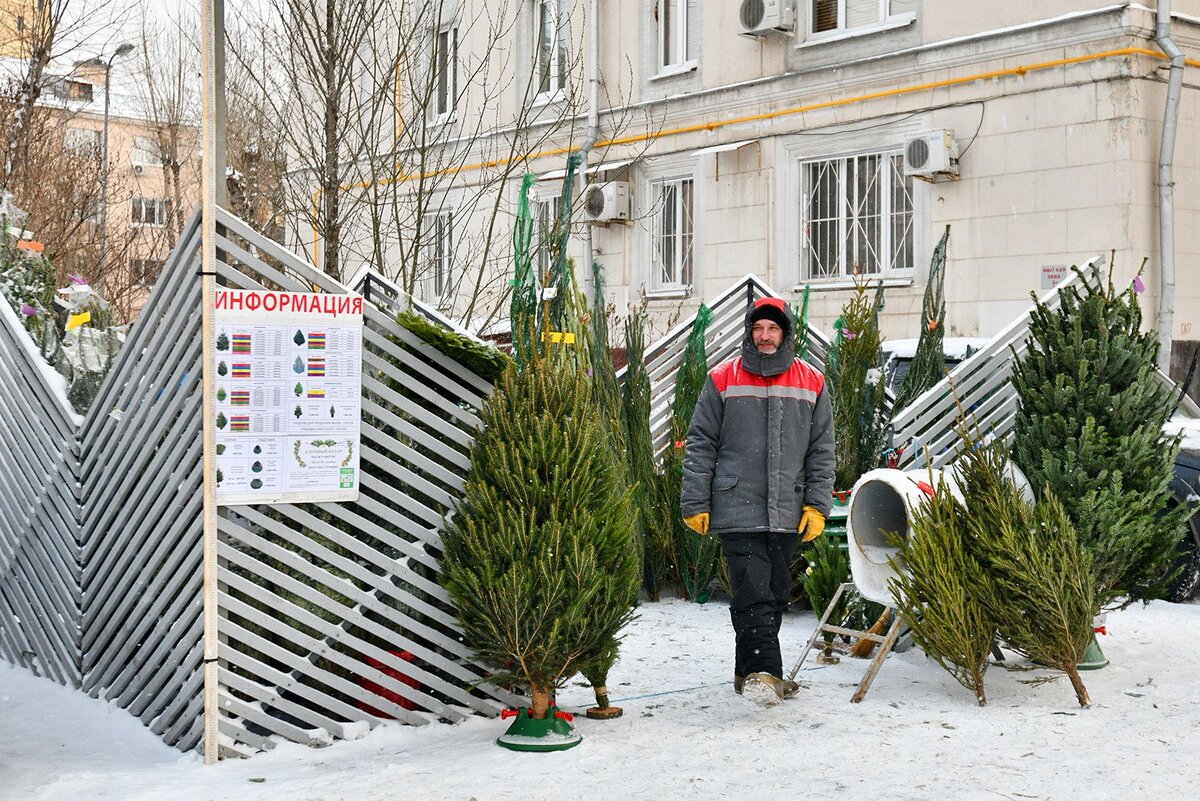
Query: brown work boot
{"points": [[763, 689], [738, 681], [790, 688]]}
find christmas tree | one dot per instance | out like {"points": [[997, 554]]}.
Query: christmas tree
{"points": [[855, 374], [936, 593], [929, 362], [655, 530], [539, 559], [1089, 427]]}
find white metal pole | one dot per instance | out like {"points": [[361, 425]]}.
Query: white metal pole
{"points": [[210, 10]]}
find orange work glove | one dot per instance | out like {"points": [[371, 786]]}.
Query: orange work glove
{"points": [[697, 522], [812, 524]]}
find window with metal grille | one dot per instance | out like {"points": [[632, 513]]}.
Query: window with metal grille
{"points": [[673, 233], [856, 216], [550, 50], [445, 65], [672, 32]]}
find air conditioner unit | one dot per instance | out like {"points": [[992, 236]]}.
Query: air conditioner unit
{"points": [[931, 155], [763, 17], [607, 202], [139, 169]]}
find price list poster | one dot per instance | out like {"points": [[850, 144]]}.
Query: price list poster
{"points": [[288, 396]]}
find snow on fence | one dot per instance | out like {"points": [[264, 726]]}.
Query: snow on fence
{"points": [[723, 338], [330, 615]]}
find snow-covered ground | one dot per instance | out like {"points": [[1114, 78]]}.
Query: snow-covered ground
{"points": [[918, 735]]}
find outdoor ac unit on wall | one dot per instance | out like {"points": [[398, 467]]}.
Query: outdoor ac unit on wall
{"points": [[931, 155], [608, 202], [763, 17]]}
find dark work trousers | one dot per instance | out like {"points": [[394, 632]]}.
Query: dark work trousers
{"points": [[761, 581]]}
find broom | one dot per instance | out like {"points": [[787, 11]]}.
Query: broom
{"points": [[864, 647]]}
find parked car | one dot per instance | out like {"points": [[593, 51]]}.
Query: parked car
{"points": [[1185, 487], [898, 355]]}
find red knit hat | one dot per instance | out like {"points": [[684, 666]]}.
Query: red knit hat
{"points": [[773, 309]]}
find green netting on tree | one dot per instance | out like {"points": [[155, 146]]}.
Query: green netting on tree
{"points": [[696, 555], [800, 318], [486, 362], [1089, 427], [929, 362], [523, 306], [558, 309]]}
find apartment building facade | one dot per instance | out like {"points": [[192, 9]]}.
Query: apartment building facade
{"points": [[815, 141]]}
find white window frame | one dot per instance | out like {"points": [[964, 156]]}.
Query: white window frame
{"points": [[847, 212], [144, 152], [546, 206], [445, 89], [673, 201], [884, 20], [676, 37], [82, 141], [138, 272], [555, 70], [438, 233], [154, 211]]}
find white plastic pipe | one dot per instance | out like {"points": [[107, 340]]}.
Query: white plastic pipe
{"points": [[1166, 184], [882, 504]]}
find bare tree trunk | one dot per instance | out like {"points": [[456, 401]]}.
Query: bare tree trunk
{"points": [[539, 701], [1080, 691]]}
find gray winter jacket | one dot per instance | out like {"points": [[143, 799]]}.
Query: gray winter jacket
{"points": [[760, 444]]}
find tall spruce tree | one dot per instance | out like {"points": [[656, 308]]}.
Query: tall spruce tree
{"points": [[1089, 427], [539, 559]]}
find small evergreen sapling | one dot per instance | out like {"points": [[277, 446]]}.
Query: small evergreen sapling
{"points": [[936, 591]]}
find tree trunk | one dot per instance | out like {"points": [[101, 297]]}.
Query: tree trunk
{"points": [[1080, 691], [977, 680], [539, 701]]}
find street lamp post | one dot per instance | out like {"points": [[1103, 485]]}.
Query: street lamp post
{"points": [[122, 50]]}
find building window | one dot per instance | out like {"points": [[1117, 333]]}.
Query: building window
{"points": [[672, 33], [673, 233], [439, 250], [144, 272], [857, 216], [445, 67], [82, 141], [550, 49], [149, 211], [78, 90], [832, 16], [545, 222], [144, 152]]}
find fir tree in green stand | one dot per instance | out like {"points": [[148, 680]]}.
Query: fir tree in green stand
{"points": [[1089, 427], [929, 362], [539, 559]]}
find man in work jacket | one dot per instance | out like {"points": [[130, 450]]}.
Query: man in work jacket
{"points": [[758, 472]]}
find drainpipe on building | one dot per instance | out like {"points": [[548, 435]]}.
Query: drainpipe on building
{"points": [[1166, 183], [593, 134]]}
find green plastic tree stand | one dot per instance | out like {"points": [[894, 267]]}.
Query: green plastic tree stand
{"points": [[1093, 657], [552, 733]]}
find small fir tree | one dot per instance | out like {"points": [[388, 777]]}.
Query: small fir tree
{"points": [[929, 362], [222, 420], [697, 556], [539, 558], [222, 341], [936, 591], [1035, 578], [298, 390], [1089, 427], [299, 337], [855, 374], [221, 395], [222, 368]]}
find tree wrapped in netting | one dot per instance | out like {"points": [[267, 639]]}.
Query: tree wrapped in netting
{"points": [[929, 362], [1089, 427], [539, 559], [697, 557]]}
